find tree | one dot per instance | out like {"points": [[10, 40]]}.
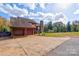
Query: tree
{"points": [[4, 25], [54, 29], [59, 27], [68, 27], [45, 28], [75, 26], [5, 28], [50, 25]]}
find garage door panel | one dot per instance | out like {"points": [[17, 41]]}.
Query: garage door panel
{"points": [[29, 31], [18, 32]]}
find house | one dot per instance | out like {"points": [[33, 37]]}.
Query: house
{"points": [[22, 26], [76, 22]]}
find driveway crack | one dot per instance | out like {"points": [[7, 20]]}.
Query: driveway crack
{"points": [[21, 47]]}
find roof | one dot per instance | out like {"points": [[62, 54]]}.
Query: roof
{"points": [[76, 22], [26, 19], [22, 22]]}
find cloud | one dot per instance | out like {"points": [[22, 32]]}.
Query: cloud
{"points": [[45, 15], [21, 12], [32, 6], [41, 15], [13, 11], [60, 17], [42, 5], [7, 7], [31, 14], [76, 12]]}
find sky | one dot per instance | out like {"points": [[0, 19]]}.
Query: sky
{"points": [[54, 12]]}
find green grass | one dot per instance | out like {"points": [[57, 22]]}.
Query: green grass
{"points": [[62, 34]]}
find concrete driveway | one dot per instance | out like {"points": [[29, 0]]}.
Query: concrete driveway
{"points": [[68, 48], [30, 45]]}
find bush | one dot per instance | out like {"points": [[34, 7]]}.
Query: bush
{"points": [[5, 29], [50, 31]]}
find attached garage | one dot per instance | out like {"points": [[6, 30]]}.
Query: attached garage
{"points": [[22, 28]]}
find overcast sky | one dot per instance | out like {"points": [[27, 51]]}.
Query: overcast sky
{"points": [[41, 11]]}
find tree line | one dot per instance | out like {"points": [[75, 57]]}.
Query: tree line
{"points": [[4, 25], [49, 27], [61, 27]]}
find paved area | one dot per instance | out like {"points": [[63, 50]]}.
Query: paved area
{"points": [[30, 45], [68, 48]]}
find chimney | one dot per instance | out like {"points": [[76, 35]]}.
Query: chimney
{"points": [[41, 26]]}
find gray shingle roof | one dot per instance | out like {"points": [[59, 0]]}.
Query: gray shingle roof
{"points": [[21, 22]]}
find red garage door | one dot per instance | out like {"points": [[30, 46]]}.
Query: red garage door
{"points": [[18, 32], [29, 31]]}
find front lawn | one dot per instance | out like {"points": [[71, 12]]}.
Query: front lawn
{"points": [[62, 34]]}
